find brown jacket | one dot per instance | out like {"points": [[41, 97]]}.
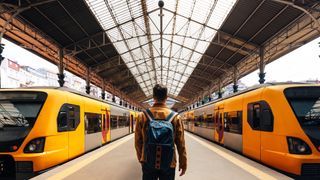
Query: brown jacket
{"points": [[161, 111]]}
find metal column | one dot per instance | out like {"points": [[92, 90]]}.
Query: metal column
{"points": [[61, 75], [103, 89], [88, 81], [219, 92], [262, 74], [161, 4], [235, 80]]}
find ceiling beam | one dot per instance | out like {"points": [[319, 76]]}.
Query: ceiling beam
{"points": [[148, 31], [107, 64]]}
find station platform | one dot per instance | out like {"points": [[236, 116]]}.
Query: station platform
{"points": [[117, 161]]}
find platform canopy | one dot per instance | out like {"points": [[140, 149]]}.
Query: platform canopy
{"points": [[199, 46], [188, 27]]}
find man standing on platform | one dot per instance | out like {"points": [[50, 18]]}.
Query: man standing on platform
{"points": [[158, 130]]}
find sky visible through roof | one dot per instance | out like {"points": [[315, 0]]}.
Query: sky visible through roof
{"points": [[134, 29], [300, 65]]}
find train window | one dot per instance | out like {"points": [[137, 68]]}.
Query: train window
{"points": [[196, 121], [256, 116], [92, 123], [233, 122], [210, 121], [260, 116], [62, 121], [114, 121], [122, 121], [68, 118]]}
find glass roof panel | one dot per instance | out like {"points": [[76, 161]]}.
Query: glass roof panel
{"points": [[188, 29]]}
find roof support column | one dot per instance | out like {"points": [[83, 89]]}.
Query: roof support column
{"points": [[88, 81], [235, 79], [262, 74], [103, 94], [219, 92], [161, 4], [61, 75]]}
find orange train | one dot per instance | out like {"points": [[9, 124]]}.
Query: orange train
{"points": [[277, 124], [43, 127]]}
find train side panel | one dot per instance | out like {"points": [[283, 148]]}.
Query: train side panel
{"points": [[56, 148], [92, 123], [233, 111], [76, 136], [274, 145]]}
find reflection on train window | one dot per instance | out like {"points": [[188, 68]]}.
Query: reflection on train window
{"points": [[92, 123], [209, 121], [123, 121], [114, 121], [233, 122], [256, 116], [198, 120], [205, 121], [68, 118], [260, 116]]}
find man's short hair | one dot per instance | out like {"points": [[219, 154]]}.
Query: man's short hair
{"points": [[160, 92]]}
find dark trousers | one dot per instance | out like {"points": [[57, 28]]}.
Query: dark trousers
{"points": [[152, 174]]}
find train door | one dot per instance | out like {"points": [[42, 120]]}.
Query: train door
{"points": [[69, 123], [105, 125], [131, 123], [251, 125], [219, 124]]}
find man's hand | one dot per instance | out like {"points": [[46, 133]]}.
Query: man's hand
{"points": [[183, 171]]}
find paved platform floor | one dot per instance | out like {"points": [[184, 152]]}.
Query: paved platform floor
{"points": [[117, 161]]}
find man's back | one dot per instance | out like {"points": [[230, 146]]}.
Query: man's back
{"points": [[160, 111]]}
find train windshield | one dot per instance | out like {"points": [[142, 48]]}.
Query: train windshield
{"points": [[18, 114], [19, 109], [305, 102]]}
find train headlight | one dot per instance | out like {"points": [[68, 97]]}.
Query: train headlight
{"points": [[298, 146], [35, 146]]}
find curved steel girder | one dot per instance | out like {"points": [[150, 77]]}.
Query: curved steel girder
{"points": [[194, 76], [219, 32], [115, 74], [107, 62]]}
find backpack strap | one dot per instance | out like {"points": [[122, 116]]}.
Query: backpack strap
{"points": [[149, 114], [171, 116]]}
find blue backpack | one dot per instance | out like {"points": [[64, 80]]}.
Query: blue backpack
{"points": [[159, 147]]}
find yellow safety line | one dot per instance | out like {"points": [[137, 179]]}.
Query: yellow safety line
{"points": [[245, 166], [72, 169]]}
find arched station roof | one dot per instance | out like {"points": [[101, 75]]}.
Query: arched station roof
{"points": [[202, 44]]}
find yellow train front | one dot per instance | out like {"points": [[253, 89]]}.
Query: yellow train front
{"points": [[41, 128], [277, 124]]}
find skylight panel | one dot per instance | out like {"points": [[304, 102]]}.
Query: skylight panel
{"points": [[187, 34]]}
